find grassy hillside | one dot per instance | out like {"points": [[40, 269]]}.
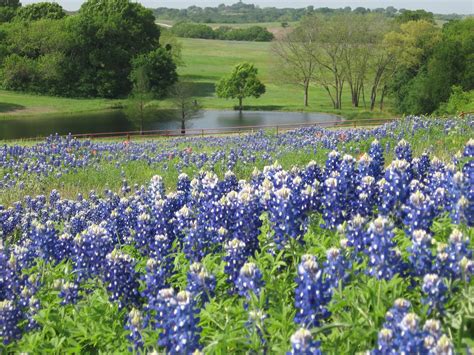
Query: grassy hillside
{"points": [[19, 104], [208, 60]]}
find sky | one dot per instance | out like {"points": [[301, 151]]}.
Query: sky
{"points": [[437, 6]]}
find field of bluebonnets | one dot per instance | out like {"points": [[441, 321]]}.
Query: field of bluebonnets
{"points": [[310, 241]]}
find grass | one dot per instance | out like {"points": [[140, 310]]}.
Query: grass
{"points": [[14, 104], [206, 61]]}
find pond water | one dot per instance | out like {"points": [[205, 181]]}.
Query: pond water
{"points": [[118, 121]]}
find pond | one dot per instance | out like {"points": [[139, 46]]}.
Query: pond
{"points": [[118, 121]]}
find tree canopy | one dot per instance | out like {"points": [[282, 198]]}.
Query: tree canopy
{"points": [[241, 83], [90, 54], [40, 10]]}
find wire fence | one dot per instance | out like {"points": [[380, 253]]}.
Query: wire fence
{"points": [[193, 132]]}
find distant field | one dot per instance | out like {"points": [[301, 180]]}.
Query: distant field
{"points": [[208, 60]]}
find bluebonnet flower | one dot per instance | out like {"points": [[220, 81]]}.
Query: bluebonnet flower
{"points": [[302, 343], [449, 257], [156, 188], [89, 251], [181, 331], [31, 310], [402, 333], [377, 160], [394, 187], [403, 151], [333, 202], [336, 267], [46, 242], [421, 258], [121, 279], [366, 196], [144, 232], [241, 213], [384, 260], [469, 149], [356, 234], [235, 258], [419, 212], [311, 173], [135, 325], [421, 166], [312, 293], [435, 290], [200, 282], [249, 281], [333, 162], [288, 209], [364, 165], [10, 317], [69, 293]]}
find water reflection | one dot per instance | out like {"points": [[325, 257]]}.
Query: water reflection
{"points": [[118, 121]]}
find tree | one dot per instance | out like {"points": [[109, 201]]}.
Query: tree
{"points": [[141, 94], [415, 15], [329, 56], [159, 69], [40, 10], [242, 82], [184, 102], [296, 52], [411, 47], [108, 34]]}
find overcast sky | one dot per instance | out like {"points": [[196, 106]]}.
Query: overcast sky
{"points": [[438, 6]]}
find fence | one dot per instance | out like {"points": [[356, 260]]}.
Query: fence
{"points": [[192, 132]]}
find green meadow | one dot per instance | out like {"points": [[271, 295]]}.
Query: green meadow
{"points": [[205, 62]]}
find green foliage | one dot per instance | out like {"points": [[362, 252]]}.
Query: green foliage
{"points": [[193, 30], [159, 69], [459, 101], [196, 30], [415, 15], [107, 35], [89, 54], [241, 12], [420, 86], [242, 82], [40, 10]]}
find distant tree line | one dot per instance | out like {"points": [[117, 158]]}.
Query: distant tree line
{"points": [[196, 30], [410, 59], [249, 13], [95, 53]]}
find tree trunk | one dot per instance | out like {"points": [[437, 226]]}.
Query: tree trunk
{"points": [[240, 105], [306, 93], [183, 120], [373, 97], [384, 91], [141, 117]]}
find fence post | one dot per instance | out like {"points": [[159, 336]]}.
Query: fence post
{"points": [[277, 130], [202, 132]]}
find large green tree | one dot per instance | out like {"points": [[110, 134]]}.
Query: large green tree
{"points": [[159, 69], [241, 83], [108, 34]]}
